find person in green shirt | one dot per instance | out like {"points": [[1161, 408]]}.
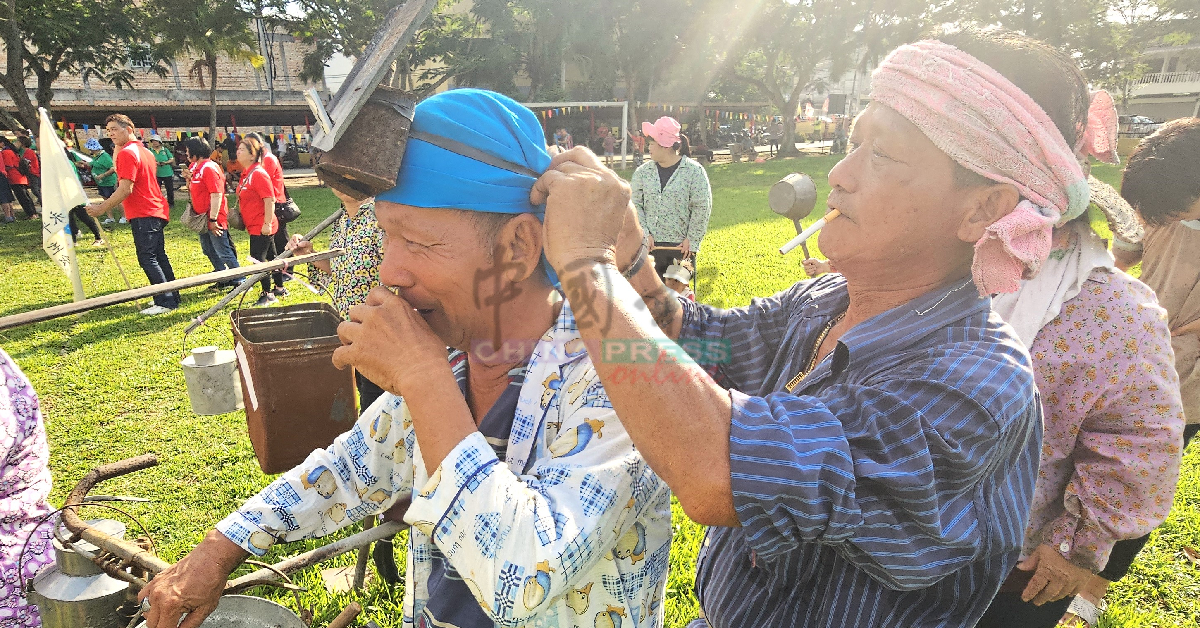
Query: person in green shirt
{"points": [[104, 171], [166, 171]]}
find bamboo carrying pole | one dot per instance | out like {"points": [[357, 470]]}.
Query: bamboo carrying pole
{"points": [[58, 311], [250, 281]]}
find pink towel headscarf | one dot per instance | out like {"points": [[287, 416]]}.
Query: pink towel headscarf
{"points": [[989, 126]]}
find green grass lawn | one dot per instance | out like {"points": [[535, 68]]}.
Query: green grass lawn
{"points": [[111, 387]]}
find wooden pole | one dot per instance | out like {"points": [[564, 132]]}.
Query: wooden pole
{"points": [[58, 311]]}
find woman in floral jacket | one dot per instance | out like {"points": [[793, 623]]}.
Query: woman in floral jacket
{"points": [[672, 195]]}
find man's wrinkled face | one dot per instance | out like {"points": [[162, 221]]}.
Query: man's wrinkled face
{"points": [[896, 193], [431, 258]]}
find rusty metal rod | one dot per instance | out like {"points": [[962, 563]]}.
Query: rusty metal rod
{"points": [[255, 277], [78, 307], [308, 559], [128, 552]]}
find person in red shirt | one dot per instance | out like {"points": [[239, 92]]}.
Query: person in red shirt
{"points": [[256, 200], [273, 167], [25, 147], [16, 179], [206, 185], [145, 207]]}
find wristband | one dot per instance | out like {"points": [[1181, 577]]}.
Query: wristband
{"points": [[639, 259]]}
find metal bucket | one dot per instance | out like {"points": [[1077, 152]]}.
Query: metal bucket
{"points": [[212, 381], [295, 399], [244, 611], [366, 159], [74, 592]]}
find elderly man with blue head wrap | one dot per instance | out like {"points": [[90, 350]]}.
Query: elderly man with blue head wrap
{"points": [[529, 504]]}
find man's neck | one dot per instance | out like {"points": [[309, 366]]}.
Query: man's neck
{"points": [[870, 299], [523, 321]]}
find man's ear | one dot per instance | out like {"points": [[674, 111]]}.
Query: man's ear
{"points": [[519, 246], [985, 204]]}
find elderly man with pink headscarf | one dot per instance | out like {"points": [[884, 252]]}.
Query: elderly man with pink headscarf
{"points": [[864, 445]]}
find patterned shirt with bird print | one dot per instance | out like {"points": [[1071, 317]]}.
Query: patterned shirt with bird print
{"points": [[565, 526]]}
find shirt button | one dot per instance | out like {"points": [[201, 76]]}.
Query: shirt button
{"points": [[1064, 547]]}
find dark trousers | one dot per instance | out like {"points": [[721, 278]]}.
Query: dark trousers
{"points": [[150, 244], [262, 248], [35, 186], [169, 183], [25, 198], [80, 213], [1124, 552], [281, 239], [368, 392]]}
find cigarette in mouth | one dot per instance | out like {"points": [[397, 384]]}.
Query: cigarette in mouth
{"points": [[808, 233]]}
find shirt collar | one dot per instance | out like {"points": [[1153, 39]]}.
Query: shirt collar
{"points": [[899, 327]]}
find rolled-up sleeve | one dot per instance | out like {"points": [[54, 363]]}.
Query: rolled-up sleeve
{"points": [[363, 472], [749, 335], [886, 474]]}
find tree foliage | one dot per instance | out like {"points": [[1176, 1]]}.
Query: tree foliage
{"points": [[46, 40], [199, 33]]}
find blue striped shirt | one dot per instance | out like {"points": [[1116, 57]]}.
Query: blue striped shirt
{"points": [[892, 486]]}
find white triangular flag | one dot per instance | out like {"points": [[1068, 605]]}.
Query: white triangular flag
{"points": [[61, 190]]}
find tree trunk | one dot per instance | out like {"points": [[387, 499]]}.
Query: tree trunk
{"points": [[787, 108], [13, 79], [45, 93], [211, 61]]}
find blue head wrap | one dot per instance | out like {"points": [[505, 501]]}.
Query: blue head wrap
{"points": [[432, 175], [476, 150]]}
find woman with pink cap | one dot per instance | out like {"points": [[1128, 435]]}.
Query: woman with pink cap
{"points": [[672, 195]]}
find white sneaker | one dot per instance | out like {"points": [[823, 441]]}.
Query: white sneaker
{"points": [[107, 221], [155, 310], [123, 220], [99, 243]]}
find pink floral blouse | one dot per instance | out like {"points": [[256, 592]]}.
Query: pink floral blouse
{"points": [[24, 487], [1113, 421]]}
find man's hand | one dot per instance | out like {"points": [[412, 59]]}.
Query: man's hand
{"points": [[390, 344], [587, 206], [299, 245], [95, 209], [1054, 578], [192, 586]]}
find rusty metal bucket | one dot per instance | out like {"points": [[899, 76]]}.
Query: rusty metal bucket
{"points": [[296, 400], [365, 161]]}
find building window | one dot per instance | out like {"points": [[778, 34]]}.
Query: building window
{"points": [[140, 59]]}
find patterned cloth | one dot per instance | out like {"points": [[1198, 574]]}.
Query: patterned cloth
{"points": [[890, 487], [355, 273], [1114, 422], [680, 209], [24, 488], [989, 126], [573, 528]]}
